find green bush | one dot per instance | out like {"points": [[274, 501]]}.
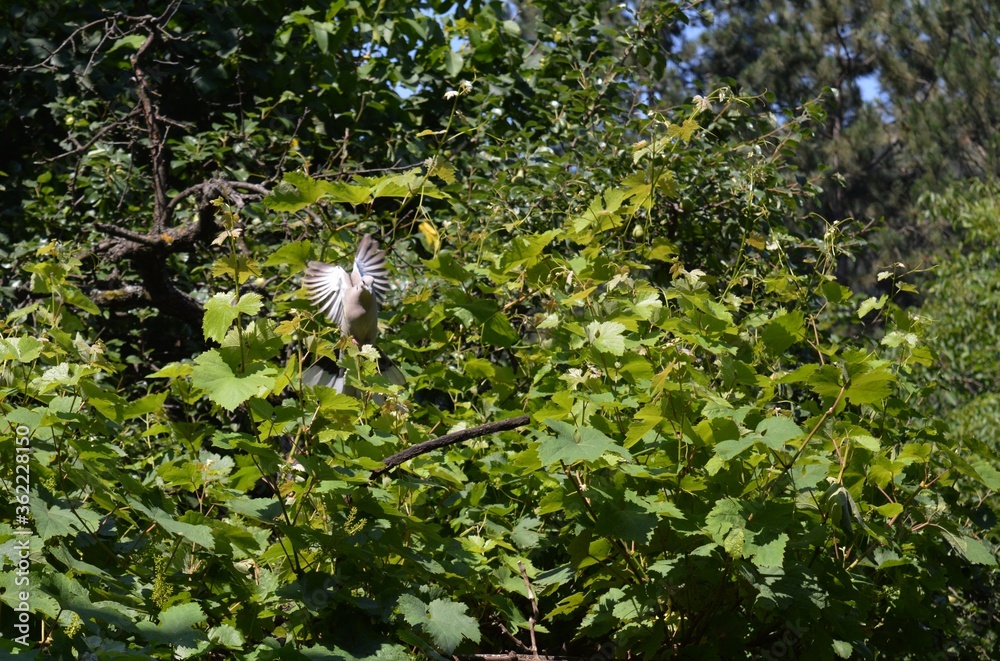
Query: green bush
{"points": [[719, 462]]}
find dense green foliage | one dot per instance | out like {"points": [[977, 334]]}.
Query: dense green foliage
{"points": [[911, 89], [730, 454]]}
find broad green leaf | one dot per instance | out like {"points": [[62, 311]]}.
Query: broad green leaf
{"points": [[843, 649], [551, 502], [827, 380], [725, 516], [971, 549], [662, 251], [607, 337], [51, 520], [222, 309], [449, 267], [148, 404], [176, 625], [227, 636], [648, 304], [572, 444], [73, 596], [133, 42], [638, 189], [296, 192], [525, 533], [684, 131], [79, 567], [871, 303], [602, 215], [988, 475], [867, 442], [295, 254], [889, 510], [262, 509], [446, 622], [658, 505], [770, 554], [882, 471], [108, 404], [783, 331], [626, 521], [777, 431], [443, 171], [524, 250], [798, 375], [199, 534], [478, 368], [453, 63], [23, 349], [644, 420], [726, 450], [321, 33], [339, 191], [214, 375], [717, 430], [835, 292], [78, 299], [567, 605], [498, 331], [172, 371], [870, 387]]}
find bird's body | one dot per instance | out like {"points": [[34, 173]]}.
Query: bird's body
{"points": [[350, 300], [360, 314]]}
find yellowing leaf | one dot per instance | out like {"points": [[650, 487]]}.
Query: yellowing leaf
{"points": [[443, 171], [683, 131], [430, 237]]}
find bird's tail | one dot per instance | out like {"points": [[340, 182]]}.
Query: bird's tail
{"points": [[326, 372]]}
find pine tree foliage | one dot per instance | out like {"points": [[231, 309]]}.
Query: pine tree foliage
{"points": [[910, 89]]}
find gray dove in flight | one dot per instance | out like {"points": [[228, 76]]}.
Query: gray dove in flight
{"points": [[351, 301]]}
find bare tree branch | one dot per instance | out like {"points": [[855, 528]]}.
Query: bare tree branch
{"points": [[156, 143], [148, 252], [446, 440]]}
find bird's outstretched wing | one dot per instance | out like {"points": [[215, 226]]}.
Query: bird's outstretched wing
{"points": [[370, 260], [325, 285]]}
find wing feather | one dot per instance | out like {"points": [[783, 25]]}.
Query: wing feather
{"points": [[325, 288], [370, 260]]}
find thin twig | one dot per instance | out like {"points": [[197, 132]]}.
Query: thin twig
{"points": [[143, 91], [819, 423], [534, 608]]}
